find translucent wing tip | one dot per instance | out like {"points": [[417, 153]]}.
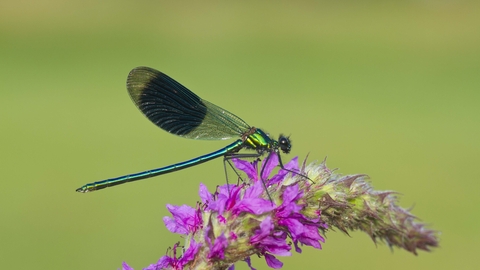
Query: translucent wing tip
{"points": [[138, 79]]}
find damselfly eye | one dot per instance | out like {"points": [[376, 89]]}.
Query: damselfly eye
{"points": [[284, 143]]}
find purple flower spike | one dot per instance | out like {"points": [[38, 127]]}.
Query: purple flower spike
{"points": [[268, 216]]}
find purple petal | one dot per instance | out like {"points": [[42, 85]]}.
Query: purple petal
{"points": [[277, 178], [226, 190], [228, 197], [206, 232], [232, 267], [280, 234], [254, 190], [246, 167], [266, 226], [233, 236], [190, 253], [292, 165], [255, 206], [155, 266], [125, 266], [221, 203], [222, 219], [310, 242], [173, 226], [218, 249], [164, 262], [185, 219], [233, 198], [275, 245], [312, 233], [297, 248], [289, 207], [273, 262], [290, 194], [311, 237], [295, 227], [182, 215], [209, 200], [252, 203], [249, 263], [272, 162], [205, 196]]}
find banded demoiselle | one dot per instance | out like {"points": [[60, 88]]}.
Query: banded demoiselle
{"points": [[179, 111]]}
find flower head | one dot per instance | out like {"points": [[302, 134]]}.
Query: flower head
{"points": [[269, 215]]}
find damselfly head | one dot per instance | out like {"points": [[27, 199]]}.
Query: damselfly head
{"points": [[284, 144]]}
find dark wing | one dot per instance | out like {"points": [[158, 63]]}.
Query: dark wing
{"points": [[175, 109]]}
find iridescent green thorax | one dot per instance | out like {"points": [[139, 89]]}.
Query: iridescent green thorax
{"points": [[258, 140]]}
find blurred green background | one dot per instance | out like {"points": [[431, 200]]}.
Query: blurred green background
{"points": [[390, 89]]}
